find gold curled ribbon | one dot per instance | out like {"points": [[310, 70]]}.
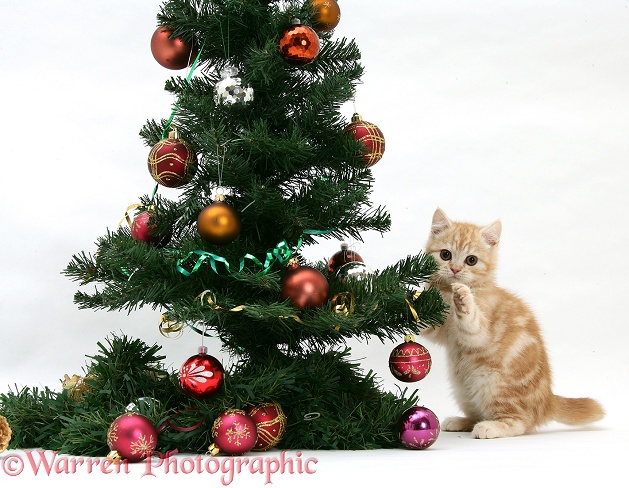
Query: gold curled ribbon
{"points": [[167, 327], [411, 308], [343, 303]]}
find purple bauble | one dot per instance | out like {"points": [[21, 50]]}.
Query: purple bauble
{"points": [[418, 428]]}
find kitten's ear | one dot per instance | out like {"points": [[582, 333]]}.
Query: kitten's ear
{"points": [[492, 232], [440, 222]]}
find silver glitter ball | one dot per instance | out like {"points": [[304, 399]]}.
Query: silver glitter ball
{"points": [[354, 270], [229, 90]]}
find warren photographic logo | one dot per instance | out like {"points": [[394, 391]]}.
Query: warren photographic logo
{"points": [[50, 463]]}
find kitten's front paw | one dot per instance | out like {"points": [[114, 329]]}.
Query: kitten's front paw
{"points": [[463, 298], [457, 424]]}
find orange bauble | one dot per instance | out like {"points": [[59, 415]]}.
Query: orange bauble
{"points": [[299, 44], [218, 223], [327, 15], [171, 53]]}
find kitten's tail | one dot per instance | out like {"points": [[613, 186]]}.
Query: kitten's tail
{"points": [[577, 411]]}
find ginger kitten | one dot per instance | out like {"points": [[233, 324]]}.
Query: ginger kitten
{"points": [[498, 365]]}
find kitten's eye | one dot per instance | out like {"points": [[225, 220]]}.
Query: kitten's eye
{"points": [[471, 260], [445, 255]]}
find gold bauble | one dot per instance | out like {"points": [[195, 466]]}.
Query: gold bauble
{"points": [[218, 223], [327, 15]]}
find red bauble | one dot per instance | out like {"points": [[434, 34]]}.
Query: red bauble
{"points": [[410, 361], [270, 424], [233, 432], [171, 53], [201, 375], [299, 44], [172, 162], [305, 287], [371, 137], [132, 437], [141, 230], [418, 428], [342, 257]]}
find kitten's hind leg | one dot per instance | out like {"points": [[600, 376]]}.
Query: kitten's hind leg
{"points": [[458, 424], [492, 429]]}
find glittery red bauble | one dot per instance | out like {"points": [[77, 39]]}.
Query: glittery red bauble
{"points": [[305, 287], [132, 437], [342, 257], [141, 230], [201, 375], [410, 361], [299, 45], [270, 424], [418, 428], [233, 432], [371, 137], [171, 53], [326, 14], [172, 162]]}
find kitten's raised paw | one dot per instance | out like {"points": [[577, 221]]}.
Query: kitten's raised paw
{"points": [[463, 298], [457, 424]]}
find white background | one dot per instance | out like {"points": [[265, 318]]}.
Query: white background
{"points": [[490, 109]]}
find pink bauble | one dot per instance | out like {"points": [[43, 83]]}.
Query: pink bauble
{"points": [[410, 361], [418, 428], [141, 230], [234, 432], [132, 437], [201, 375]]}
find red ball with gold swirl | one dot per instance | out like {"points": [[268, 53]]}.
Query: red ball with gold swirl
{"points": [[172, 162], [371, 137], [270, 424], [410, 361]]}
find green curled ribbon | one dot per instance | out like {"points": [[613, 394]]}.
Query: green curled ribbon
{"points": [[280, 253]]}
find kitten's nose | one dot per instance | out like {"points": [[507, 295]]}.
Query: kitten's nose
{"points": [[454, 270]]}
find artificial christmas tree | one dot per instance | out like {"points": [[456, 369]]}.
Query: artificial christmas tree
{"points": [[290, 173]]}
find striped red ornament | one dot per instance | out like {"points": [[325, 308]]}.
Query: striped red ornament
{"points": [[410, 361], [172, 162], [371, 137], [270, 424]]}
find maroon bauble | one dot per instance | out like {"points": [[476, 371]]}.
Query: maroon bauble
{"points": [[171, 53], [299, 44], [305, 287], [418, 428], [141, 230], [132, 437], [270, 424], [342, 257], [201, 375], [371, 137], [410, 361], [172, 162], [233, 432]]}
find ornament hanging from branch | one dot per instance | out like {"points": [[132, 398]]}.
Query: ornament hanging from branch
{"points": [[230, 90], [202, 375], [326, 15], [305, 286], [171, 53], [370, 136], [172, 162], [299, 45]]}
